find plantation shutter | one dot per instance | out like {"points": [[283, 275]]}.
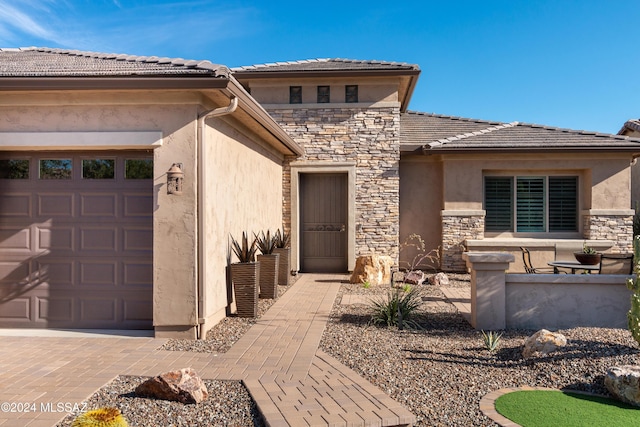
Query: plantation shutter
{"points": [[563, 203], [530, 208], [498, 203]]}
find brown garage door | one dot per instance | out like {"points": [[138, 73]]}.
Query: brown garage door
{"points": [[76, 240]]}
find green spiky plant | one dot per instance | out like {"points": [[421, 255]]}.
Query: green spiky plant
{"points": [[101, 417], [265, 242], [398, 309], [283, 239], [244, 251], [633, 316], [491, 340]]}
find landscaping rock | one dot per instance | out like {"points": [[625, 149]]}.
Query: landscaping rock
{"points": [[415, 277], [623, 382], [440, 279], [183, 386], [375, 269], [543, 342]]}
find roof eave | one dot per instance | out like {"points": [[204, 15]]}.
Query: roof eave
{"points": [[426, 150], [244, 75], [111, 83]]}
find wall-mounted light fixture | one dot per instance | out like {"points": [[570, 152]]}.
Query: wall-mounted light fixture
{"points": [[175, 176]]}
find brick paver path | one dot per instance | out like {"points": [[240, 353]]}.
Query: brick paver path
{"points": [[293, 383]]}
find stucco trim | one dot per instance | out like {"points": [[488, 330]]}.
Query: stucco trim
{"points": [[316, 106], [323, 167], [451, 212], [608, 212], [80, 140]]}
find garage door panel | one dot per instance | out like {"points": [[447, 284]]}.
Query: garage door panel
{"points": [[74, 252], [99, 205], [98, 239], [15, 205], [60, 238], [137, 239], [15, 240], [52, 309], [16, 310], [55, 205]]}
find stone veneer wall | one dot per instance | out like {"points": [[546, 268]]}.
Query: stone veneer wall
{"points": [[456, 228], [370, 138], [617, 228]]}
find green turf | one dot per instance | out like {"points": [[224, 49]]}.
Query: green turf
{"points": [[543, 408]]}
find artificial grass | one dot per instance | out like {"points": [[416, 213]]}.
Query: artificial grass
{"points": [[543, 408]]}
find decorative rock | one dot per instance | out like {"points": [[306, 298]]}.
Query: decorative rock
{"points": [[439, 279], [623, 382], [375, 269], [543, 342], [183, 386], [415, 277]]}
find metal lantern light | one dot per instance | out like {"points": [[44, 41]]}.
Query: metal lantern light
{"points": [[175, 177]]}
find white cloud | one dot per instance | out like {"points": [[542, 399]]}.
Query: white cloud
{"points": [[11, 17]]}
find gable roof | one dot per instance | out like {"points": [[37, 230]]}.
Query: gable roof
{"points": [[325, 65], [630, 126], [431, 134]]}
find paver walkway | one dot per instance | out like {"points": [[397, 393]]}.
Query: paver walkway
{"points": [[292, 381]]}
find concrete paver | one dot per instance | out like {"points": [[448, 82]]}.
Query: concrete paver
{"points": [[292, 381]]}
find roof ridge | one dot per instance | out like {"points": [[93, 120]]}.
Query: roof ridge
{"points": [[443, 141], [219, 70], [446, 116]]}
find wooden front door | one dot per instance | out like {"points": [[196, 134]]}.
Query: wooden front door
{"points": [[323, 219]]}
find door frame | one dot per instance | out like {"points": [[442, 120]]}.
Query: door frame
{"points": [[301, 167]]}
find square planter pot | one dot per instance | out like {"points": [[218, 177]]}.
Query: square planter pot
{"points": [[245, 277], [284, 266], [268, 275]]}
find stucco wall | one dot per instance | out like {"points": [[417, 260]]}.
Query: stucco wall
{"points": [[243, 193]]}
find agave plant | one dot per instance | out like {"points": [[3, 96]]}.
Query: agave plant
{"points": [[102, 417], [266, 242], [282, 239], [244, 251], [491, 340]]}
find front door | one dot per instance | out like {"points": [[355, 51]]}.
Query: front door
{"points": [[323, 218]]}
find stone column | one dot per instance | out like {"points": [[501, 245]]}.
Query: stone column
{"points": [[488, 272]]}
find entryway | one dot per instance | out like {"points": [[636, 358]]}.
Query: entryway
{"points": [[323, 222]]}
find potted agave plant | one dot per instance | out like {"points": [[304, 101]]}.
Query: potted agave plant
{"points": [[588, 256], [268, 265], [282, 248], [245, 275]]}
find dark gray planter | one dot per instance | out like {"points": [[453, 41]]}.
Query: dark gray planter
{"points": [[245, 277], [284, 266], [268, 275]]}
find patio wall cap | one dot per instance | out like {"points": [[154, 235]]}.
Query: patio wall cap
{"points": [[488, 257], [566, 279]]}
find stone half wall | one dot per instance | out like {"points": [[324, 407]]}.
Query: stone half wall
{"points": [[369, 137], [617, 227], [457, 227]]}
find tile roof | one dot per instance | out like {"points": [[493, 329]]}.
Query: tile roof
{"points": [[326, 65], [46, 62], [438, 133], [632, 125]]}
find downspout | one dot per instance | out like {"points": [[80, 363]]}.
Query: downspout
{"points": [[201, 191]]}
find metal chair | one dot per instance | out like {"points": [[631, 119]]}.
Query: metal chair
{"points": [[529, 268], [616, 264]]}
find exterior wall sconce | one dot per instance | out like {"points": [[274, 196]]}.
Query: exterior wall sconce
{"points": [[175, 176]]}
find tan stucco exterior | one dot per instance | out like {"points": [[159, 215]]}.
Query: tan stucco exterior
{"points": [[241, 180]]}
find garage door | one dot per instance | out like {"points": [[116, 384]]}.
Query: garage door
{"points": [[76, 240]]}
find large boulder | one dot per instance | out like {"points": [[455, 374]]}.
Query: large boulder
{"points": [[375, 269], [183, 386], [623, 382], [543, 342]]}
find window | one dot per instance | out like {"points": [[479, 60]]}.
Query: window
{"points": [[295, 94], [351, 93], [55, 169], [527, 204], [98, 169], [138, 168], [323, 94], [14, 169]]}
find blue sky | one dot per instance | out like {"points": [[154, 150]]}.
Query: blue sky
{"points": [[565, 63]]}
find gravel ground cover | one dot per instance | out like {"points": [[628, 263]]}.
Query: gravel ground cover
{"points": [[439, 372]]}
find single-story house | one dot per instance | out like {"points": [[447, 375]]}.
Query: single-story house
{"points": [[632, 128], [95, 233]]}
